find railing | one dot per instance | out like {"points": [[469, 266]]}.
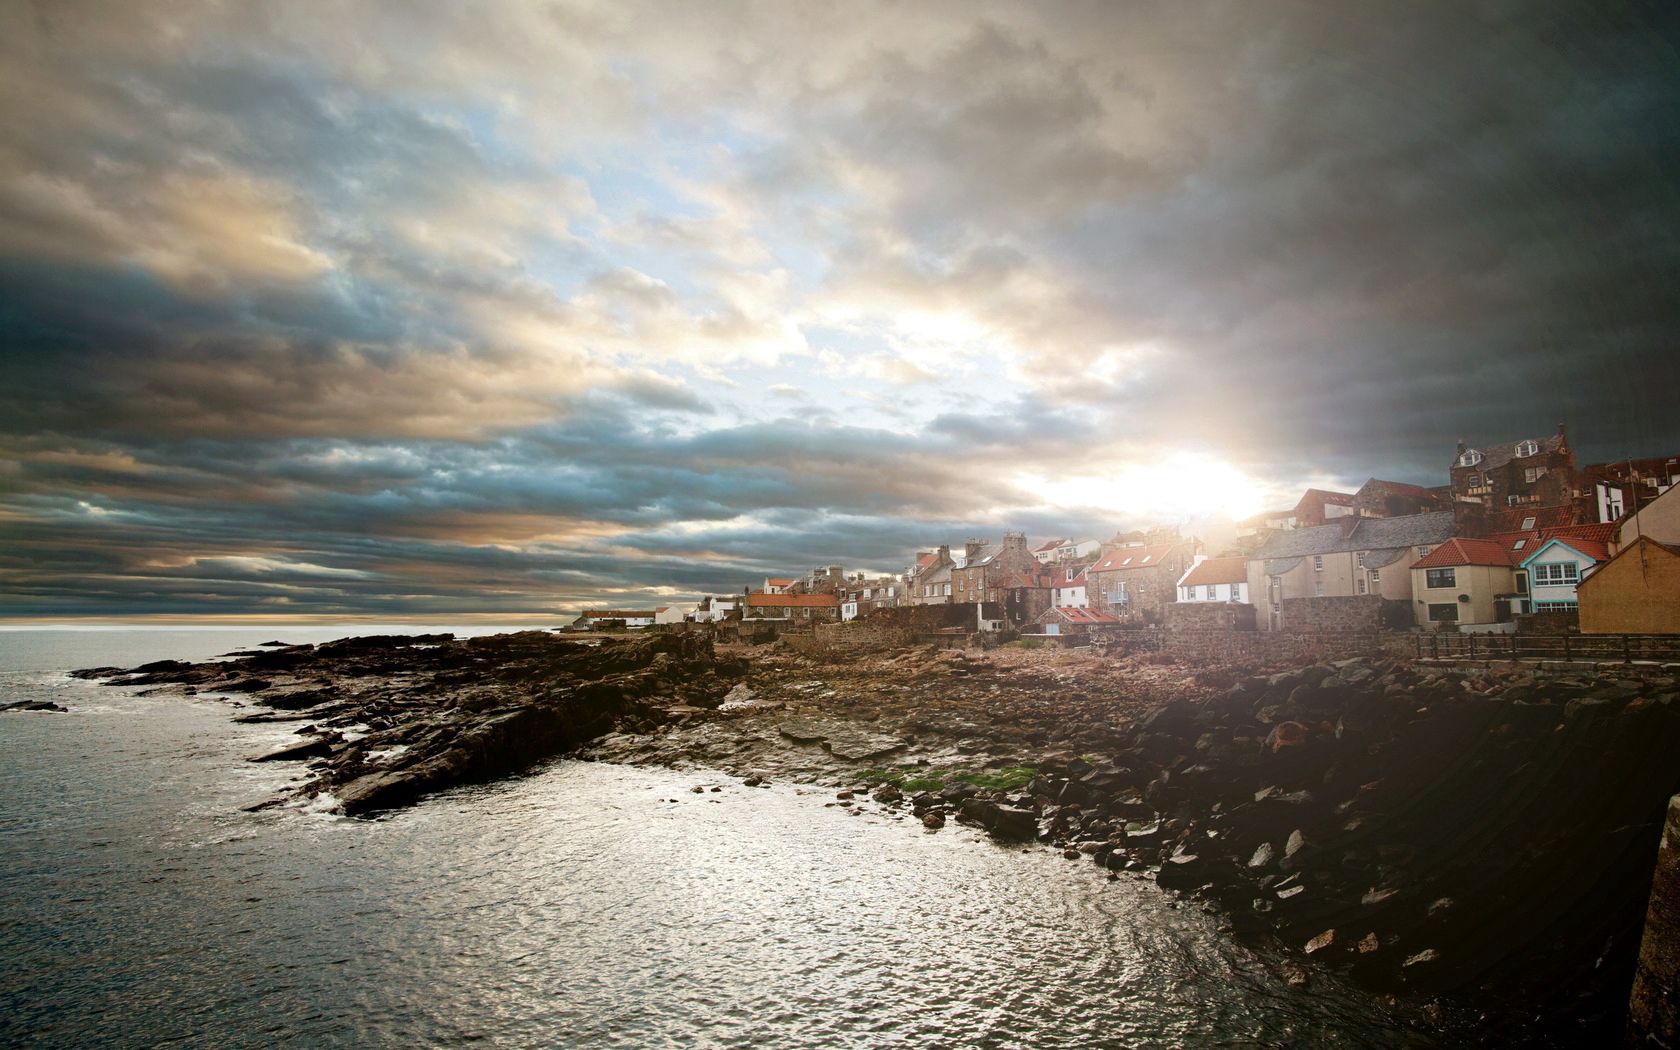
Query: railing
{"points": [[1659, 648]]}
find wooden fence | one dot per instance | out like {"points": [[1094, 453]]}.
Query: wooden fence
{"points": [[1656, 648]]}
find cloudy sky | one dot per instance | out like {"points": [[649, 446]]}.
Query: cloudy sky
{"points": [[428, 311]]}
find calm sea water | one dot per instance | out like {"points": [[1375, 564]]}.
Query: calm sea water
{"points": [[585, 905]]}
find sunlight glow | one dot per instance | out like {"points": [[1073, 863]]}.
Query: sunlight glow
{"points": [[1179, 485]]}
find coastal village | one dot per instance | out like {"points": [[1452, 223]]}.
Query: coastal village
{"points": [[1519, 536]]}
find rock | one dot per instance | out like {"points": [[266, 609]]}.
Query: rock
{"points": [[845, 793], [933, 819], [1264, 854], [1015, 824], [887, 793], [1182, 870], [320, 747], [35, 705], [957, 791], [1286, 735], [1297, 842], [1323, 942]]}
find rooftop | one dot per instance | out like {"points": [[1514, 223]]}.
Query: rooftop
{"points": [[1217, 570]]}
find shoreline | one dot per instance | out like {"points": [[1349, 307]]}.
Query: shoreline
{"points": [[1474, 837]]}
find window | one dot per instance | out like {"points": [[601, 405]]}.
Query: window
{"points": [[1361, 584], [1446, 612], [1423, 551], [1440, 578], [1522, 581], [1519, 545], [1533, 474], [1528, 523], [1555, 606], [1556, 573], [1361, 559], [1318, 563], [1470, 458], [1376, 578], [1526, 449], [1318, 588]]}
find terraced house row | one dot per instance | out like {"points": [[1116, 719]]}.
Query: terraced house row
{"points": [[1515, 530]]}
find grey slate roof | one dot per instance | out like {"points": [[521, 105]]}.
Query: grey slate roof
{"points": [[1496, 456], [1369, 534]]}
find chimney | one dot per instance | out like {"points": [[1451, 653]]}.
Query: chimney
{"points": [[1461, 446], [944, 552], [971, 548], [1349, 522]]}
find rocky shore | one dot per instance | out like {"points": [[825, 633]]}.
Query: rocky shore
{"points": [[386, 720], [1483, 837]]}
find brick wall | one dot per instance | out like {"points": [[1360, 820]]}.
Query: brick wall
{"points": [[1193, 616]]}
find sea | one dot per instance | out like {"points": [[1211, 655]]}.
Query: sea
{"points": [[580, 905]]}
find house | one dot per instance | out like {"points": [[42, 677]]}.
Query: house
{"points": [[1397, 499], [1318, 506], [1349, 557], [1137, 581], [1467, 581], [804, 608], [1045, 553], [675, 613], [1531, 472], [712, 610], [1077, 550], [1025, 595], [929, 579], [1065, 620], [984, 566], [1215, 580], [1659, 520], [1626, 485], [1067, 587], [1635, 592], [607, 619], [777, 585], [865, 595], [1556, 568]]}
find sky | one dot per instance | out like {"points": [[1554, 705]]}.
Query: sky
{"points": [[428, 311]]}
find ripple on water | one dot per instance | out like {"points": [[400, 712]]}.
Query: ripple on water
{"points": [[576, 907]]}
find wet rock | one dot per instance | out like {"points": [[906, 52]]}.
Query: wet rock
{"points": [[887, 793], [1321, 943], [1264, 855], [1014, 824], [320, 747], [34, 705], [933, 819]]}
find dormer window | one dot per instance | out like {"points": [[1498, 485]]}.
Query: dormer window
{"points": [[1526, 449], [1470, 458], [1528, 523]]}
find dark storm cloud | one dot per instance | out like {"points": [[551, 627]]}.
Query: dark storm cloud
{"points": [[422, 309]]}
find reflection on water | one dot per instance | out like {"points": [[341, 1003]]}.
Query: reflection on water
{"points": [[589, 905]]}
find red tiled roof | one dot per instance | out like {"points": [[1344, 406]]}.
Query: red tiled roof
{"points": [[1590, 532], [1218, 570], [1026, 579], [796, 601], [1135, 558], [775, 581], [618, 614], [1052, 545], [927, 559], [1597, 550], [1463, 551], [1074, 614], [1510, 519]]}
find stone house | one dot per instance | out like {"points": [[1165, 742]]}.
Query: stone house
{"points": [[1635, 592], [1532, 472], [1466, 581], [1351, 557], [1214, 580], [1397, 499], [1137, 582], [928, 581], [1318, 506], [984, 567]]}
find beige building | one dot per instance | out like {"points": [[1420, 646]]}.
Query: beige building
{"points": [[1635, 592], [1465, 581], [1348, 557]]}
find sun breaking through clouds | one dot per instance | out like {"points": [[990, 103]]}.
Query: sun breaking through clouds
{"points": [[423, 310]]}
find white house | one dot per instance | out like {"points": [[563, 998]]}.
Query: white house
{"points": [[1067, 587], [711, 610], [1214, 580], [1077, 550], [675, 613], [1556, 567]]}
